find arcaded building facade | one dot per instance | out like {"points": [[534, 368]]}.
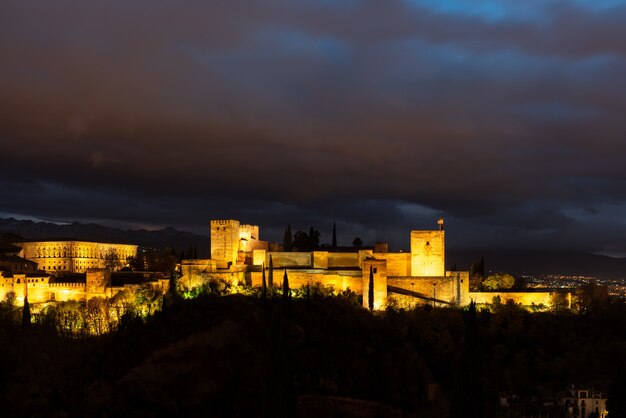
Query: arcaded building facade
{"points": [[75, 256]]}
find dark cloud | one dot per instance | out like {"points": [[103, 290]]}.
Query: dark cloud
{"points": [[506, 118]]}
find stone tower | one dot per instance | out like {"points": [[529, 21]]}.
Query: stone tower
{"points": [[97, 282], [225, 240], [427, 252]]}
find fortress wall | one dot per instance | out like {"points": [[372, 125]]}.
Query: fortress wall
{"points": [[41, 291], [192, 271], [320, 259], [398, 264], [248, 237], [297, 278], [343, 260], [289, 259], [463, 285], [258, 245], [442, 288], [525, 298], [249, 232], [259, 256]]}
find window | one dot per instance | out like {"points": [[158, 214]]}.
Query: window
{"points": [[375, 270], [427, 243]]}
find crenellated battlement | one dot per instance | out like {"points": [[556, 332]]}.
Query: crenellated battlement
{"points": [[69, 285], [224, 222]]}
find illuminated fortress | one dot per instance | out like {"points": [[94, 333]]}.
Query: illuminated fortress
{"points": [[239, 256]]}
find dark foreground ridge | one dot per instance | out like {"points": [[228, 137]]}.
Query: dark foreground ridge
{"points": [[240, 356]]}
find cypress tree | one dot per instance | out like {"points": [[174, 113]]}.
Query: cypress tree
{"points": [[370, 293], [311, 239], [270, 279], [334, 235], [468, 388], [195, 253], [173, 287], [286, 290], [26, 314], [287, 239], [263, 285], [481, 268]]}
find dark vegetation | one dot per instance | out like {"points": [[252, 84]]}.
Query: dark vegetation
{"points": [[245, 356]]}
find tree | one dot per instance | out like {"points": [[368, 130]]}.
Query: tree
{"points": [[270, 279], [97, 316], [286, 290], [301, 241], [616, 402], [468, 388], [314, 238], [172, 295], [370, 294], [287, 242], [137, 263], [69, 319], [148, 298], [498, 281], [263, 285], [26, 314], [112, 260], [477, 274], [357, 242], [334, 235]]}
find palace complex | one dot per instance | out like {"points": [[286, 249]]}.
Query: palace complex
{"points": [[400, 278], [60, 270], [54, 270]]}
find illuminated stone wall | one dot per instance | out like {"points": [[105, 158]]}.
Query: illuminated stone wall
{"points": [[398, 264], [453, 288], [525, 298], [194, 272], [339, 280], [41, 289], [75, 256], [290, 259], [247, 235], [427, 253], [343, 260]]}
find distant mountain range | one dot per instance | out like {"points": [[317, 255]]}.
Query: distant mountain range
{"points": [[511, 261], [168, 237]]}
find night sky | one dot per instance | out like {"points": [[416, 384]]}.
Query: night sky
{"points": [[507, 117]]}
